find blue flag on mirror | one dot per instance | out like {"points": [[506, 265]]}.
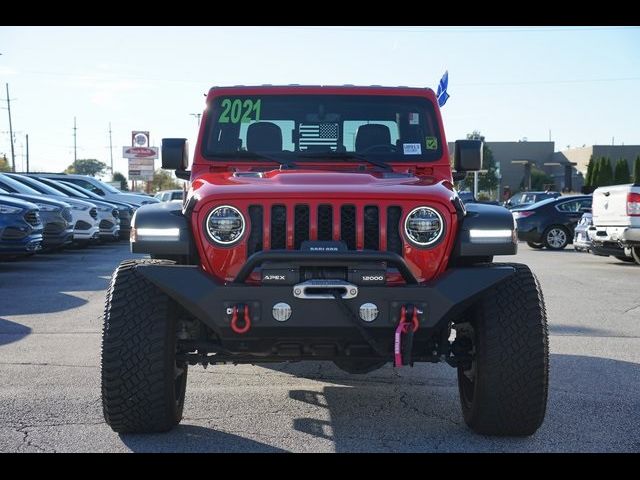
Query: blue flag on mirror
{"points": [[442, 94]]}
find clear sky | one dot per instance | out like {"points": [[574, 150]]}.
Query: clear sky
{"points": [[582, 83]]}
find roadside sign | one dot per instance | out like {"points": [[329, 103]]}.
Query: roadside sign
{"points": [[140, 152], [139, 138]]}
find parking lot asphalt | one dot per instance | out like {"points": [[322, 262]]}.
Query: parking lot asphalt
{"points": [[50, 326]]}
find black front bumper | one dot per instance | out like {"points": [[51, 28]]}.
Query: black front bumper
{"points": [[319, 321]]}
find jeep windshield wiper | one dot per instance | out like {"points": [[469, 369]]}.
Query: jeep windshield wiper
{"points": [[243, 154], [345, 156]]}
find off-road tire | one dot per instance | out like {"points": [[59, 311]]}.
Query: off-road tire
{"points": [[553, 246], [507, 394], [142, 387], [537, 246], [635, 253]]}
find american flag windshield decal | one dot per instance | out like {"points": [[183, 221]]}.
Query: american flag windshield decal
{"points": [[318, 135]]}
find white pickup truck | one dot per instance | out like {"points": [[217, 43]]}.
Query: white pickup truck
{"points": [[616, 222]]}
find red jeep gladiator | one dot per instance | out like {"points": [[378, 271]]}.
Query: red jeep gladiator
{"points": [[321, 223]]}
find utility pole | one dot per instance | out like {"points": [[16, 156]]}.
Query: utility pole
{"points": [[75, 156], [197, 115], [111, 149], [27, 153], [13, 153]]}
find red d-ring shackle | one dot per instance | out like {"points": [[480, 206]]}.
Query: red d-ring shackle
{"points": [[234, 320], [414, 319]]}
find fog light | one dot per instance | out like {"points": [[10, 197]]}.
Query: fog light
{"points": [[368, 312], [281, 311]]}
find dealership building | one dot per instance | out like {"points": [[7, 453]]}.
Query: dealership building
{"points": [[567, 167]]}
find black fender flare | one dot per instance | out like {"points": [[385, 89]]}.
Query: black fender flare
{"points": [[162, 229]]}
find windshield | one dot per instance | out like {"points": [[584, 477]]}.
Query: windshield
{"points": [[388, 128], [8, 183], [62, 188], [81, 191], [39, 186], [108, 187]]}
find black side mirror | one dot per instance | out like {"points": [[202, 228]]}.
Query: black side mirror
{"points": [[175, 156], [100, 192], [468, 155]]}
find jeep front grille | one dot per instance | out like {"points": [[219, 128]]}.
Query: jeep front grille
{"points": [[254, 243], [394, 240], [371, 228], [279, 227], [301, 228]]}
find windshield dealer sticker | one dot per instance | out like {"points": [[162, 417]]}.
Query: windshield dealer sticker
{"points": [[412, 148], [414, 119], [239, 111], [432, 143]]}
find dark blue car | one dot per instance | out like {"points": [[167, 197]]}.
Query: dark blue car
{"points": [[20, 227], [550, 223], [55, 216]]}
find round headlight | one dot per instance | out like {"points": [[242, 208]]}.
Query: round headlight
{"points": [[423, 226], [225, 225]]}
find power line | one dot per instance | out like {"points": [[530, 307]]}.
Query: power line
{"points": [[461, 29], [533, 82], [537, 82]]}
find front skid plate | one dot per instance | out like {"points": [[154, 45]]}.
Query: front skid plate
{"points": [[206, 299]]}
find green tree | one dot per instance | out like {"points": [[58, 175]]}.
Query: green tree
{"points": [[87, 166], [539, 180], [4, 164], [595, 174], [621, 174], [163, 180], [588, 180], [118, 177], [636, 170], [605, 173]]}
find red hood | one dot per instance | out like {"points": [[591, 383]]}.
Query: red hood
{"points": [[308, 184], [314, 187]]}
